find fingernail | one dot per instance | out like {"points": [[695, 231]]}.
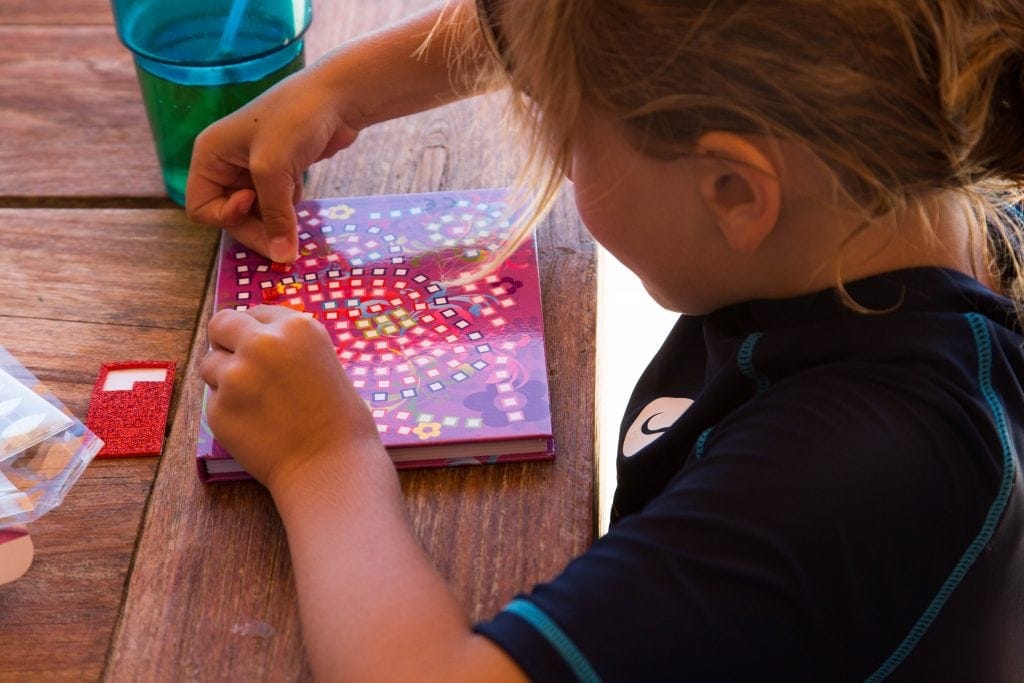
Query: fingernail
{"points": [[280, 250]]}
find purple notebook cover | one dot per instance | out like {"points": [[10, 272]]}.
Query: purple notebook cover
{"points": [[450, 372]]}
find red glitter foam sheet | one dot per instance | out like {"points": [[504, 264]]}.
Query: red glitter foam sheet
{"points": [[132, 420]]}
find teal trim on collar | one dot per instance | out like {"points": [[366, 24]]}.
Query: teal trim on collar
{"points": [[702, 441], [745, 360], [558, 639], [995, 404]]}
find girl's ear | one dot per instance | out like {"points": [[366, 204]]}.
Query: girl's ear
{"points": [[740, 186]]}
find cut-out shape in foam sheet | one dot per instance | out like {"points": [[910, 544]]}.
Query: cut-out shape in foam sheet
{"points": [[129, 406]]}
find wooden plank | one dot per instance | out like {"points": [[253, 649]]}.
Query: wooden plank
{"points": [[139, 268], [68, 277], [72, 121], [54, 12], [211, 595]]}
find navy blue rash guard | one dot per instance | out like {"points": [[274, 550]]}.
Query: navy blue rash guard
{"points": [[808, 493]]}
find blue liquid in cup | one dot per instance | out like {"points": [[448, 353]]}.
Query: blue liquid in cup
{"points": [[197, 63]]}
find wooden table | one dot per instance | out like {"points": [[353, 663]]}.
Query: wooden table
{"points": [[144, 573]]}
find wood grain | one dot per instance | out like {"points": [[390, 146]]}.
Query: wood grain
{"points": [[72, 123], [73, 301], [56, 12]]}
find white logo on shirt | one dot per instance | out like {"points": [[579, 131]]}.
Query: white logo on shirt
{"points": [[654, 420]]}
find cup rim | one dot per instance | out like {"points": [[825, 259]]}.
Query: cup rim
{"points": [[208, 62]]}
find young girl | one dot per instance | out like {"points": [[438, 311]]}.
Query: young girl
{"points": [[819, 473]]}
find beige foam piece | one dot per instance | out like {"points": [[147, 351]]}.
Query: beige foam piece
{"points": [[15, 553]]}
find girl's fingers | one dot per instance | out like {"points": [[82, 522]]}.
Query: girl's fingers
{"points": [[227, 328]]}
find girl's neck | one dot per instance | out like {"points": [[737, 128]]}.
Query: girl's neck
{"points": [[815, 243], [937, 230]]}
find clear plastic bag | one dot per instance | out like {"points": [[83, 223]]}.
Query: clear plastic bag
{"points": [[43, 448]]}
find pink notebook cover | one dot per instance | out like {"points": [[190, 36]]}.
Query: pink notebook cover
{"points": [[453, 374]]}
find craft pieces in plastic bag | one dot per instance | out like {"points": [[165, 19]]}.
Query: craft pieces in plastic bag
{"points": [[43, 448]]}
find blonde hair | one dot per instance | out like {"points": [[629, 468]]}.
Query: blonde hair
{"points": [[898, 97]]}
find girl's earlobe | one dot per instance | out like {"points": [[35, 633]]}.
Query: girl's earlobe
{"points": [[740, 187]]}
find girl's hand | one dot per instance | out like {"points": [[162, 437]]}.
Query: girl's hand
{"points": [[279, 398], [246, 171]]}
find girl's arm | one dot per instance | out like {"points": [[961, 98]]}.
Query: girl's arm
{"points": [[372, 606], [247, 168]]}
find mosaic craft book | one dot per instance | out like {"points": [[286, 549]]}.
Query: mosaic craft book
{"points": [[453, 374]]}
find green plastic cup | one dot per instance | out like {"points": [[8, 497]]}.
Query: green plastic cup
{"points": [[199, 60]]}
